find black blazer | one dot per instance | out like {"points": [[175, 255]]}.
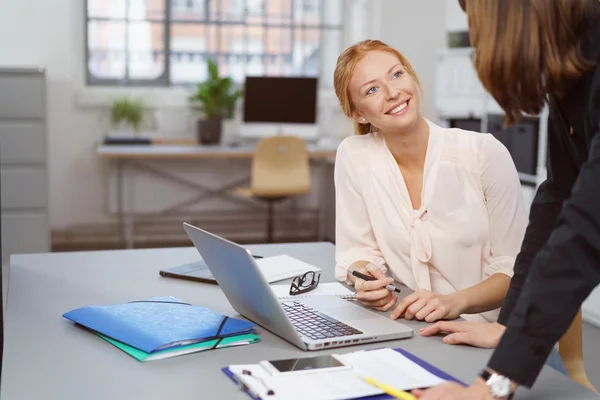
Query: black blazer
{"points": [[559, 262]]}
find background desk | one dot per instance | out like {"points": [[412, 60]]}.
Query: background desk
{"points": [[47, 357], [129, 158]]}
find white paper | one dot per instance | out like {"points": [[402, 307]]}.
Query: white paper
{"points": [[391, 368], [278, 268], [323, 385], [333, 288]]}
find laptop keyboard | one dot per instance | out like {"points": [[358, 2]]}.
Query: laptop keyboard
{"points": [[315, 324]]}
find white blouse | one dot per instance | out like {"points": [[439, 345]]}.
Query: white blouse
{"points": [[470, 224]]}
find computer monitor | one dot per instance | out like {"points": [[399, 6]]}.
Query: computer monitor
{"points": [[280, 106]]}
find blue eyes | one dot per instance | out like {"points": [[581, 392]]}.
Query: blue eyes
{"points": [[372, 89]]}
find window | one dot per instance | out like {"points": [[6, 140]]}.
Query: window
{"points": [[167, 42]]}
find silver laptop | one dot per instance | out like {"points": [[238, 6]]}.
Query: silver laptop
{"points": [[311, 323]]}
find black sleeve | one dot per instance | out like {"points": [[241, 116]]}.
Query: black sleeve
{"points": [[562, 275], [543, 215]]}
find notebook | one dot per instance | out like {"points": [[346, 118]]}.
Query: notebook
{"points": [[158, 323], [336, 289]]}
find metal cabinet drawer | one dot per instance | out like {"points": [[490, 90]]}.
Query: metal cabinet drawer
{"points": [[24, 187], [22, 143], [24, 232], [22, 96]]}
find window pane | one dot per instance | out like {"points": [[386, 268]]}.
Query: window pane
{"points": [[255, 11], [146, 9], [307, 12], [233, 46], [146, 50], [333, 12], [331, 42], [279, 51], [306, 59], [279, 11], [189, 45], [185, 10], [255, 50], [106, 8], [106, 45], [233, 10]]}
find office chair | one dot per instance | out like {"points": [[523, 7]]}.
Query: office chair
{"points": [[570, 348], [280, 170]]}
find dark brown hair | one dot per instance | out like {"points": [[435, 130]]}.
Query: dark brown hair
{"points": [[344, 69], [526, 50]]}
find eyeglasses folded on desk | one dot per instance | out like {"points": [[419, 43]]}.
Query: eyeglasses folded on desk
{"points": [[163, 327]]}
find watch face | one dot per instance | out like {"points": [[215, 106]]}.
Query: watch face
{"points": [[499, 385]]}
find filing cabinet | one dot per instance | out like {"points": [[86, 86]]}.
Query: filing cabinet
{"points": [[23, 162]]}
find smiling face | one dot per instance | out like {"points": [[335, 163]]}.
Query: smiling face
{"points": [[384, 93]]}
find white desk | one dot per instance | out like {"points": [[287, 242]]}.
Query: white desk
{"points": [[137, 157], [47, 357]]}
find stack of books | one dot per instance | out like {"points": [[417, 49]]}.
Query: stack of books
{"points": [[163, 327]]}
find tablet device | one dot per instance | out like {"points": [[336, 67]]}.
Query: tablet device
{"points": [[196, 271]]}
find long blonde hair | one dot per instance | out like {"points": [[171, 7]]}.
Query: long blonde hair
{"points": [[344, 69]]}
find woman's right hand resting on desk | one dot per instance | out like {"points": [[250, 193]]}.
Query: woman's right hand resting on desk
{"points": [[373, 294]]}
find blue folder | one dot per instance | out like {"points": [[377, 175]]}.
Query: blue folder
{"points": [[158, 323], [435, 371]]}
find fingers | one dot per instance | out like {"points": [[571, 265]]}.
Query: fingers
{"points": [[377, 284], [442, 326], [425, 311], [379, 302], [358, 283], [436, 315], [373, 295], [404, 303], [459, 338], [414, 308], [389, 305], [375, 271]]}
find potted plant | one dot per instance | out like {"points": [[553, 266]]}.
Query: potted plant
{"points": [[126, 114], [216, 98]]}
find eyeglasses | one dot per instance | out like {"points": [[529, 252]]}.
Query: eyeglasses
{"points": [[304, 283]]}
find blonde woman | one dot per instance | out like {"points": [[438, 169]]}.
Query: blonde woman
{"points": [[440, 209]]}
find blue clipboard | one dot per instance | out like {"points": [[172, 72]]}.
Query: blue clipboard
{"points": [[436, 371]]}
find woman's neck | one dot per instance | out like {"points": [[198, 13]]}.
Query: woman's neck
{"points": [[409, 148]]}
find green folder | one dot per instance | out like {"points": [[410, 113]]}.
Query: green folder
{"points": [[139, 355]]}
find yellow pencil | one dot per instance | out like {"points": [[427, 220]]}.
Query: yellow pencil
{"points": [[399, 394]]}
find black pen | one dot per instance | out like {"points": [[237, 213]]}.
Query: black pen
{"points": [[360, 275]]}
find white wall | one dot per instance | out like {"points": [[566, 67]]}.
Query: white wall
{"points": [[418, 30], [456, 19]]}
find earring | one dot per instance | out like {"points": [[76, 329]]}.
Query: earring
{"points": [[363, 120]]}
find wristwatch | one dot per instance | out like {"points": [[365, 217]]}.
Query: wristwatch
{"points": [[499, 385]]}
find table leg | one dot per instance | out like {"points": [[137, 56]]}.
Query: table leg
{"points": [[120, 193], [127, 199]]}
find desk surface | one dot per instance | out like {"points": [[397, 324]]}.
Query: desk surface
{"points": [[47, 357], [158, 151]]}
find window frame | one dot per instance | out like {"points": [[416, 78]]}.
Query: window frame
{"points": [[164, 80]]}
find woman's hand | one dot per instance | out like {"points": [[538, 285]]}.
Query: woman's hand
{"points": [[373, 293], [478, 334], [428, 306]]}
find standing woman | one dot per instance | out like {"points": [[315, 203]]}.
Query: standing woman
{"points": [[529, 53]]}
